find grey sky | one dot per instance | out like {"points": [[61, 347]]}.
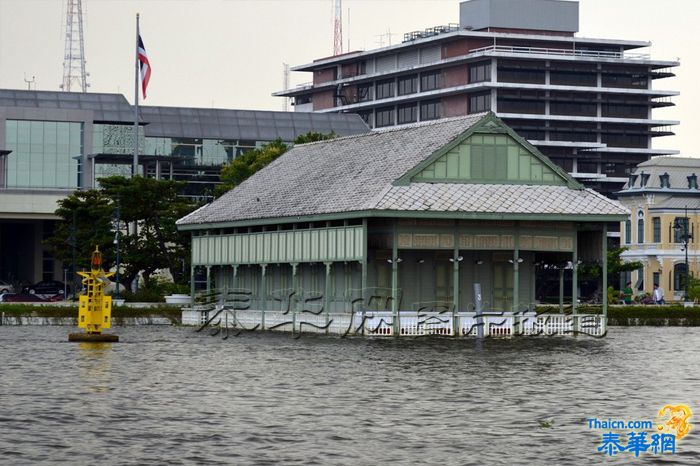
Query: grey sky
{"points": [[229, 53]]}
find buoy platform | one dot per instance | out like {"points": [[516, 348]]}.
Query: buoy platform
{"points": [[93, 337]]}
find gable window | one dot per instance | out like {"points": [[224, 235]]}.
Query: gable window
{"points": [[644, 179], [665, 180], [385, 89], [693, 181], [632, 180], [408, 84], [407, 113], [430, 110], [656, 224]]}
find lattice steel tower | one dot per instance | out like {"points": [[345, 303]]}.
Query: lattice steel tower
{"points": [[74, 75], [338, 27]]}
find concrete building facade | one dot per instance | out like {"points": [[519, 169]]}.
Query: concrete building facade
{"points": [[663, 198], [52, 143], [585, 103]]}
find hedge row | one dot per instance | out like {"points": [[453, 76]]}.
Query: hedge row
{"points": [[172, 313]]}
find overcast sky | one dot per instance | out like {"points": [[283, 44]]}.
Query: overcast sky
{"points": [[229, 53]]}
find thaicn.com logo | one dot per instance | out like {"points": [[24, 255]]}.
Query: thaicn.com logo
{"points": [[661, 436]]}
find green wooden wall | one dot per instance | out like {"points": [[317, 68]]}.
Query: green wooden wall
{"points": [[308, 245], [489, 158]]}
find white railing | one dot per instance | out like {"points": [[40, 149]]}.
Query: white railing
{"points": [[563, 52], [407, 323]]}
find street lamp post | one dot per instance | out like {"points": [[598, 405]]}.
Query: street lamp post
{"points": [[117, 223], [685, 238]]}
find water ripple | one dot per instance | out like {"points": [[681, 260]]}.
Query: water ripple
{"points": [[168, 395]]}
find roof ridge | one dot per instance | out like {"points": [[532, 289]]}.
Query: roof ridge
{"points": [[392, 129]]}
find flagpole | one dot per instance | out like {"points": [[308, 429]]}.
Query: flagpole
{"points": [[135, 167]]}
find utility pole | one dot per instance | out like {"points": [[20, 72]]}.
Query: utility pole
{"points": [[685, 238]]}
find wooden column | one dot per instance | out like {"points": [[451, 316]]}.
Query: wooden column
{"points": [[574, 273], [263, 294], [293, 297], [327, 293], [365, 255], [516, 269], [192, 273], [604, 254], [395, 278]]}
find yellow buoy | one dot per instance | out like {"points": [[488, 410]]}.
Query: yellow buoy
{"points": [[95, 309]]}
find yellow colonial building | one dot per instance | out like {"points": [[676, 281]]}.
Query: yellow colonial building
{"points": [[664, 200]]}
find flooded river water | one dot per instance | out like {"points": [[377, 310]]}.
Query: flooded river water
{"points": [[169, 395]]}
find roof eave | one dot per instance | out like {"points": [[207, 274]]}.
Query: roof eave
{"points": [[562, 217]]}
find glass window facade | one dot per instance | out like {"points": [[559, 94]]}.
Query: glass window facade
{"points": [[385, 116], [430, 80], [479, 102], [479, 72], [43, 153], [385, 89], [408, 84], [430, 110], [407, 113]]}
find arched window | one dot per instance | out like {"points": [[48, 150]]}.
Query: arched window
{"points": [[679, 276]]}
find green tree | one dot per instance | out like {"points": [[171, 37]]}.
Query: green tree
{"points": [[616, 265], [244, 166], [85, 223], [153, 205]]}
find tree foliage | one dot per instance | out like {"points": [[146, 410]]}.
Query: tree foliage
{"points": [[154, 205], [85, 223], [244, 166], [616, 265]]}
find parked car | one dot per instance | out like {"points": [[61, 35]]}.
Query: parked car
{"points": [[6, 287], [48, 287], [19, 298]]}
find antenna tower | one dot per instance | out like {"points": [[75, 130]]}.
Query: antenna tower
{"points": [[285, 85], [338, 27], [74, 75]]}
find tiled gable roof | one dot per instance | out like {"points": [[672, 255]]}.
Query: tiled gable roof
{"points": [[356, 173]]}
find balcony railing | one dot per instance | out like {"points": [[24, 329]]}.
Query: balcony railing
{"points": [[562, 52]]}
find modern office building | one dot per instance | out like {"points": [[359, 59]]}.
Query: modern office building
{"points": [[585, 103], [52, 143], [663, 198]]}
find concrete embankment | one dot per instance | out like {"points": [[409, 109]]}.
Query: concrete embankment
{"points": [[67, 314]]}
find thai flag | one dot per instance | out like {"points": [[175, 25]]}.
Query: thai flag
{"points": [[144, 66]]}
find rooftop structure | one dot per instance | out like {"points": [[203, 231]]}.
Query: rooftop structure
{"points": [[584, 102], [360, 216]]}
